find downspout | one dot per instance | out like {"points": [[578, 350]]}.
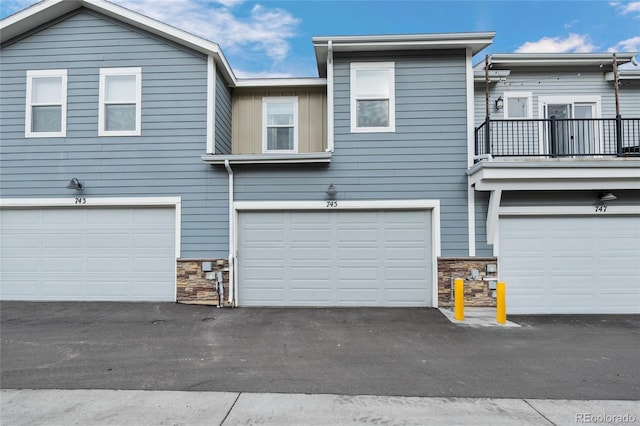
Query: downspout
{"points": [[330, 96], [231, 234]]}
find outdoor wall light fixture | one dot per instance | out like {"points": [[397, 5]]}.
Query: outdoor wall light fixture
{"points": [[331, 191], [499, 103], [607, 196], [74, 183]]}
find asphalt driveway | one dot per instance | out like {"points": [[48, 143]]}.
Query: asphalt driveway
{"points": [[408, 352]]}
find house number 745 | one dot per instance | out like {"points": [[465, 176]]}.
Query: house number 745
{"points": [[332, 204], [81, 201]]}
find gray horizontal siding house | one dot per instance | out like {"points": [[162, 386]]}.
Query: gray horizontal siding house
{"points": [[126, 106], [135, 166], [558, 179]]}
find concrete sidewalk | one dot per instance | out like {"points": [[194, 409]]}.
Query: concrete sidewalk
{"points": [[119, 407]]}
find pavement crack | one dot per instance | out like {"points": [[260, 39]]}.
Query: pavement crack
{"points": [[534, 409], [230, 409]]}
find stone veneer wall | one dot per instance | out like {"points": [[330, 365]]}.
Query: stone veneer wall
{"points": [[193, 287], [476, 292]]}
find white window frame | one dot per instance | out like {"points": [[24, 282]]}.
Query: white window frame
{"points": [[528, 95], [382, 66], [104, 72], [267, 100], [28, 125], [595, 100]]}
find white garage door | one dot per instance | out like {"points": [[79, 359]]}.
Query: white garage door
{"points": [[124, 254], [337, 258], [571, 265]]}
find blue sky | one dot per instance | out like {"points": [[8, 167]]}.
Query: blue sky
{"points": [[273, 38]]}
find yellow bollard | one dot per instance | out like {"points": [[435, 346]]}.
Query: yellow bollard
{"points": [[501, 303], [458, 299]]}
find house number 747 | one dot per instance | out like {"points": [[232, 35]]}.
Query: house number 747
{"points": [[601, 209]]}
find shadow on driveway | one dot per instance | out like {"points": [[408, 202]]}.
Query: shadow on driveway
{"points": [[390, 351]]}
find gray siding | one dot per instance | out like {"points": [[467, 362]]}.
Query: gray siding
{"points": [[424, 159], [164, 161], [550, 82], [223, 116]]}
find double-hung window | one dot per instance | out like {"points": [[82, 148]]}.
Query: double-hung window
{"points": [[280, 124], [119, 102], [373, 97], [46, 108]]}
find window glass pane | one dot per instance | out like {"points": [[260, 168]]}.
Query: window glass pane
{"points": [[46, 90], [517, 108], [120, 88], [372, 83], [280, 114], [373, 113], [279, 138], [46, 119], [120, 117]]}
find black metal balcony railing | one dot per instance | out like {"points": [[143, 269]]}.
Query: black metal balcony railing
{"points": [[559, 137]]}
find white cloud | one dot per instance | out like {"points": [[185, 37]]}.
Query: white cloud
{"points": [[627, 8], [629, 45], [578, 43], [264, 31]]}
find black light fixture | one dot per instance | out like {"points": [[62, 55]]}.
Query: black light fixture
{"points": [[499, 103], [74, 183], [607, 196], [331, 191]]}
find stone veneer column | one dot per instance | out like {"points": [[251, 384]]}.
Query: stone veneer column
{"points": [[193, 287], [476, 292]]}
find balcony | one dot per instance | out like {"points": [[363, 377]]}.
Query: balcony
{"points": [[557, 138]]}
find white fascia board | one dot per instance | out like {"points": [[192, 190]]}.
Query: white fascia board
{"points": [[339, 205], [556, 176], [281, 82], [557, 59], [623, 75], [320, 157]]}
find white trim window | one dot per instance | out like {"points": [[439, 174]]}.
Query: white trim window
{"points": [[373, 97], [119, 102], [280, 124], [518, 105], [46, 104]]}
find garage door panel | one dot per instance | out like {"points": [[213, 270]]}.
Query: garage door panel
{"points": [[74, 252], [358, 253], [578, 261], [336, 258]]}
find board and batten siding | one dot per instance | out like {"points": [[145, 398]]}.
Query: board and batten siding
{"points": [[163, 161], [426, 157], [247, 118]]}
